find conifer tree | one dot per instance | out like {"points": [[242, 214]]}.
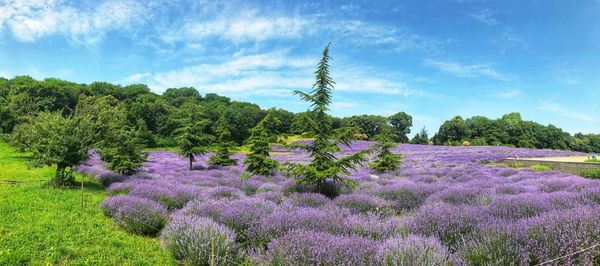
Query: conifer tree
{"points": [[191, 136], [224, 144], [260, 140], [324, 165], [386, 159]]}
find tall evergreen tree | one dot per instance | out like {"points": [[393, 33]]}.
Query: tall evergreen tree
{"points": [[325, 165], [224, 144], [191, 135], [260, 145]]}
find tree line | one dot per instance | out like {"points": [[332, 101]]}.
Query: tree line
{"points": [[512, 130], [60, 122]]}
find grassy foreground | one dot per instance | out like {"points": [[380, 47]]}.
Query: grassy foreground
{"points": [[41, 226]]}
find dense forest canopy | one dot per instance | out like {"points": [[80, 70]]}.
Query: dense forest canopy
{"points": [[157, 117]]}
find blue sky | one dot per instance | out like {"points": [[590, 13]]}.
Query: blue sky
{"points": [[431, 59]]}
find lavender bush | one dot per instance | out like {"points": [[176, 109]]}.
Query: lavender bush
{"points": [[481, 214], [415, 250], [320, 248], [136, 215], [199, 241]]}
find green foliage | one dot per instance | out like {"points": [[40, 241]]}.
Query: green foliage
{"points": [[65, 141], [593, 174], [324, 165], [593, 160], [42, 226], [401, 122], [452, 131], [371, 125], [540, 167], [421, 137], [512, 131], [55, 140], [191, 136], [222, 150], [261, 137], [386, 159], [124, 155]]}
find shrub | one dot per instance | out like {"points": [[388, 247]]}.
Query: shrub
{"points": [[361, 203], [307, 199], [199, 241], [172, 196], [320, 248], [107, 178], [540, 167], [557, 233], [136, 215], [283, 220], [493, 245], [405, 195], [222, 193], [373, 226], [446, 222], [593, 174], [414, 250]]}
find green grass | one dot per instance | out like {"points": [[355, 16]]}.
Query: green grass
{"points": [[540, 167], [595, 160], [592, 174], [47, 226]]}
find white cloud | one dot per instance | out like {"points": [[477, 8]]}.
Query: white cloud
{"points": [[137, 77], [509, 94], [369, 34], [484, 16], [34, 19], [274, 73], [470, 71], [560, 110], [240, 27]]}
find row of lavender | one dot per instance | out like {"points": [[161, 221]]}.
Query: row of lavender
{"points": [[442, 207]]}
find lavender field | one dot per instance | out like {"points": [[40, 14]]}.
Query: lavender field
{"points": [[443, 206]]}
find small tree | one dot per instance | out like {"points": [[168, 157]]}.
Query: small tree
{"points": [[325, 165], [54, 139], [191, 136], [224, 143], [421, 137], [386, 160], [124, 152], [260, 145]]}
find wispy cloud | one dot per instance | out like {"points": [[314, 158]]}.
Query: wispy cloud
{"points": [[31, 20], [509, 39], [274, 73], [464, 70], [509, 94], [484, 16], [398, 39], [241, 27], [560, 110]]}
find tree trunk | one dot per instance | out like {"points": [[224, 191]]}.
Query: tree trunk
{"points": [[191, 159]]}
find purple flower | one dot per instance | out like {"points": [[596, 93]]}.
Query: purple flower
{"points": [[319, 248], [136, 215], [307, 199], [361, 203], [415, 250], [197, 241]]}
